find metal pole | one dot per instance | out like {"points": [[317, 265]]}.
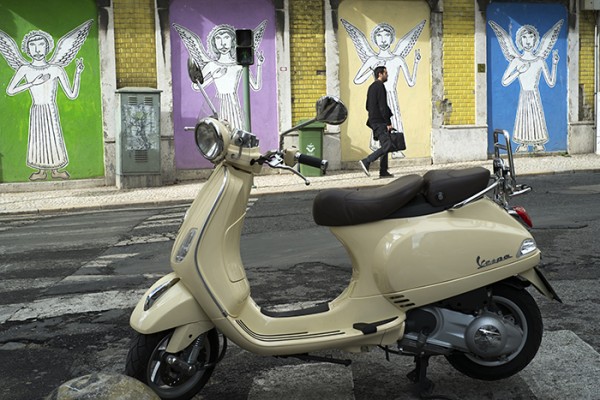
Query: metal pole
{"points": [[246, 83], [597, 80]]}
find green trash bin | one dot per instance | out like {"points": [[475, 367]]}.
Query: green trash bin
{"points": [[311, 144]]}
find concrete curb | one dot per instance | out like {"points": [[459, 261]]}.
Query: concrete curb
{"points": [[92, 195]]}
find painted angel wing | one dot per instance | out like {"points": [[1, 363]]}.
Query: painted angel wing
{"points": [[506, 44], [193, 44], [363, 48], [259, 32], [548, 41], [10, 51], [69, 45], [408, 41]]}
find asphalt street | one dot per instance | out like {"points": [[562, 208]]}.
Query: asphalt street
{"points": [[69, 282]]}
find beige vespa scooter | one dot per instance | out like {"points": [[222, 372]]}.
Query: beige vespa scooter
{"points": [[438, 268]]}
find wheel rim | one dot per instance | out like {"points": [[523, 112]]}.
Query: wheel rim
{"points": [[164, 379], [507, 310]]}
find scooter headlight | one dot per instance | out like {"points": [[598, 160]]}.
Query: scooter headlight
{"points": [[209, 139]]}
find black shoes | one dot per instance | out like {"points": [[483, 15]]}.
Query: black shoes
{"points": [[364, 164]]}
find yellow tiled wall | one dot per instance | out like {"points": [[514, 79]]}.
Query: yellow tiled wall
{"points": [[586, 63], [307, 56], [135, 45], [459, 60]]}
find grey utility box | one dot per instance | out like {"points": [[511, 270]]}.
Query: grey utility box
{"points": [[138, 138]]}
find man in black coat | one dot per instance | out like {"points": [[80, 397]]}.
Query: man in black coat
{"points": [[380, 122]]}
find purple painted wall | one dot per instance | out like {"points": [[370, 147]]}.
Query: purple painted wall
{"points": [[200, 17]]}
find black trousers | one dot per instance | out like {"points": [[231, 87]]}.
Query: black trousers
{"points": [[380, 131]]}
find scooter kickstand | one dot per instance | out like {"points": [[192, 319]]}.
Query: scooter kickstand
{"points": [[419, 375]]}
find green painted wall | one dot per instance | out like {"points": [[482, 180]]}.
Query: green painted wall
{"points": [[80, 118]]}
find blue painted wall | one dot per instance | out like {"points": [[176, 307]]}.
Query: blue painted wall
{"points": [[503, 101]]}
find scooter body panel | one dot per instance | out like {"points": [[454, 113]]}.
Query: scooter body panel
{"points": [[213, 269], [336, 328], [453, 251], [172, 306]]}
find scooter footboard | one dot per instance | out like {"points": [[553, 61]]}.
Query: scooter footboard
{"points": [[166, 305]]}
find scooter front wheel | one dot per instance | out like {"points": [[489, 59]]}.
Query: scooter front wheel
{"points": [[518, 307], [176, 378]]}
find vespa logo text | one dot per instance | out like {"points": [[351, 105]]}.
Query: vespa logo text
{"points": [[483, 263]]}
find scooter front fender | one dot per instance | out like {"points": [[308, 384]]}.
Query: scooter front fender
{"points": [[166, 305]]}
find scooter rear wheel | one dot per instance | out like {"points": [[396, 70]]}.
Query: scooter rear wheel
{"points": [[518, 306], [146, 362]]}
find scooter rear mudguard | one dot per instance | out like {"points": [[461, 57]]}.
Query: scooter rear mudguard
{"points": [[167, 305]]}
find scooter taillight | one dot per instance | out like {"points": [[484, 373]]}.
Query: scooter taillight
{"points": [[522, 213]]}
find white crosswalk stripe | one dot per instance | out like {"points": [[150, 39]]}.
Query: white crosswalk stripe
{"points": [[12, 285], [170, 219], [106, 260], [152, 238], [167, 216], [70, 304], [157, 223], [565, 367]]}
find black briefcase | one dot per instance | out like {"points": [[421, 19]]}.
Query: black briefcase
{"points": [[397, 140]]}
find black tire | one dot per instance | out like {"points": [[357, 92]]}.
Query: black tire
{"points": [[522, 308], [145, 364]]}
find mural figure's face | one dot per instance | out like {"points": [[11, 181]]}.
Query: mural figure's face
{"points": [[528, 40], [38, 48], [383, 39], [223, 42]]}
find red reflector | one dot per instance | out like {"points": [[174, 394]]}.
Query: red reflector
{"points": [[524, 216]]}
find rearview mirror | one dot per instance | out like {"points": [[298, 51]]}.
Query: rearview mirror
{"points": [[195, 72], [331, 110]]}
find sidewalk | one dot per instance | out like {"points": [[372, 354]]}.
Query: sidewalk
{"points": [[91, 195]]}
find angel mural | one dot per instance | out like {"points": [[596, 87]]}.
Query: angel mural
{"points": [[527, 64], [46, 150], [383, 36], [219, 66]]}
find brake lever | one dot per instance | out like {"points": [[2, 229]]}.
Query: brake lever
{"points": [[285, 167], [275, 160]]}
